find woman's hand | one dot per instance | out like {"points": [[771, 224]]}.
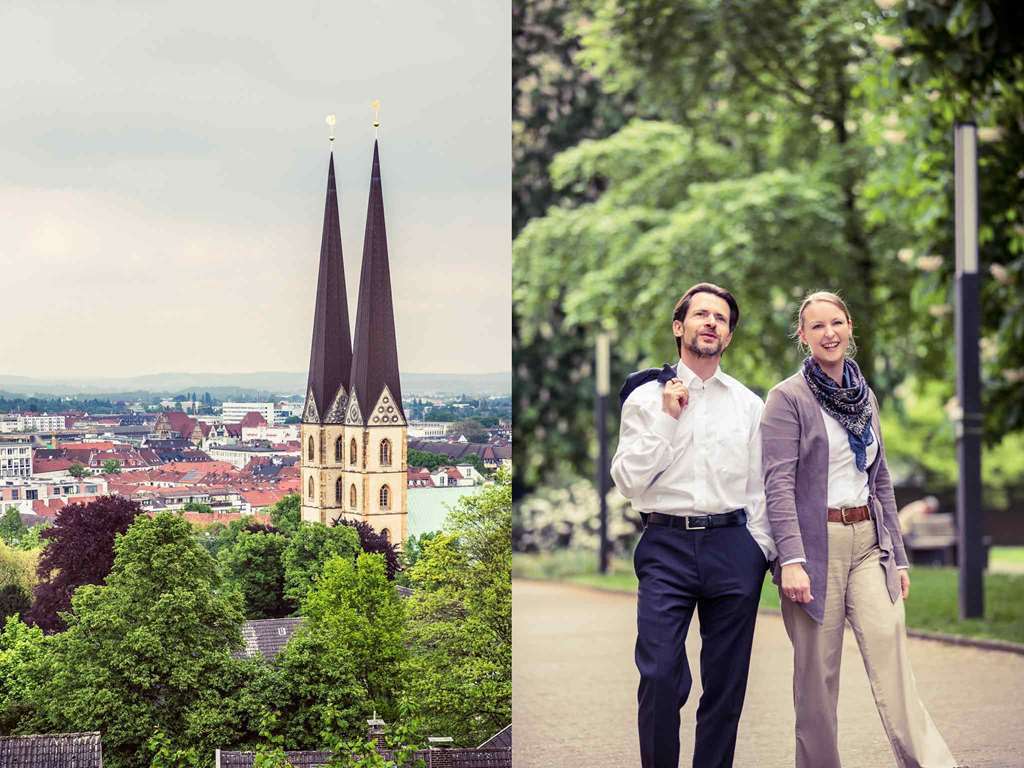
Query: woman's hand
{"points": [[796, 584], [904, 583]]}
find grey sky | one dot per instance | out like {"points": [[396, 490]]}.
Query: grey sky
{"points": [[163, 167]]}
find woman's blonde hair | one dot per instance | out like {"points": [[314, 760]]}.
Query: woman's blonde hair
{"points": [[832, 298]]}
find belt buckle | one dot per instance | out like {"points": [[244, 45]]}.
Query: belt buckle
{"points": [[687, 526], [842, 515]]}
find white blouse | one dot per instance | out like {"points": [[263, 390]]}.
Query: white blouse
{"points": [[847, 485]]}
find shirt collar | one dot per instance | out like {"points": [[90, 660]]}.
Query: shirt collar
{"points": [[688, 377]]}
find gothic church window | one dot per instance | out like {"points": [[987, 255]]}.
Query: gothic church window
{"points": [[310, 453], [338, 491], [310, 492], [337, 451], [385, 497], [385, 453], [352, 496], [353, 457]]}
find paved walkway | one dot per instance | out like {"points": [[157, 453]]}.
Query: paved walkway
{"points": [[574, 690]]}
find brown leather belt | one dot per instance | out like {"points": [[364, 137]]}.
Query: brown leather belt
{"points": [[849, 515]]}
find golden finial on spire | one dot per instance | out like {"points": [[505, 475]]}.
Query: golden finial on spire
{"points": [[331, 120], [376, 116]]}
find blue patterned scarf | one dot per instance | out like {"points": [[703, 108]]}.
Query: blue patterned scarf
{"points": [[849, 404]]}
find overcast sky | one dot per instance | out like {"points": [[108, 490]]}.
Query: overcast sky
{"points": [[163, 169]]}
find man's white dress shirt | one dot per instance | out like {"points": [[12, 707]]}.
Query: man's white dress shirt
{"points": [[707, 461]]}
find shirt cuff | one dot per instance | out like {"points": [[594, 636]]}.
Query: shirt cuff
{"points": [[794, 560]]}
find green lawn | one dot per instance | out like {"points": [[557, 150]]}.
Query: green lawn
{"points": [[932, 605], [1006, 555]]}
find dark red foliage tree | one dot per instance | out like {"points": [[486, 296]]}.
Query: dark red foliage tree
{"points": [[375, 543], [79, 549]]}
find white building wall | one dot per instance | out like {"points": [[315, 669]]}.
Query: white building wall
{"points": [[15, 459], [232, 413]]}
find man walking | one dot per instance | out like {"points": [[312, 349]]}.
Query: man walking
{"points": [[689, 459]]}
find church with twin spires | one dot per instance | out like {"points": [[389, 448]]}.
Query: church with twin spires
{"points": [[354, 446]]}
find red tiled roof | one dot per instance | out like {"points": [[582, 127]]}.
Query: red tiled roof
{"points": [[40, 466], [100, 445], [198, 466], [262, 499], [50, 507], [179, 422], [253, 419]]}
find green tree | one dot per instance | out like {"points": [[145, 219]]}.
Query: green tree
{"points": [[459, 670], [787, 147], [78, 471], [412, 549], [197, 506], [345, 660], [12, 530], [23, 664], [142, 650], [15, 600], [111, 467], [427, 460], [255, 565], [286, 514], [309, 548]]}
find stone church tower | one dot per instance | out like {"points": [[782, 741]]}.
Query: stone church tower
{"points": [[354, 431]]}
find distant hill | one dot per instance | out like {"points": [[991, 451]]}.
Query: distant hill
{"points": [[236, 384]]}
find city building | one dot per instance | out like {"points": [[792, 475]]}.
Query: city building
{"points": [[31, 422], [232, 413], [428, 430], [15, 459], [354, 455], [240, 455]]}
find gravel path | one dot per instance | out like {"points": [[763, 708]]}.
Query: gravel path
{"points": [[574, 690]]}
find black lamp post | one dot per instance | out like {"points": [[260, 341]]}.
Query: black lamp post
{"points": [[602, 355], [968, 379]]}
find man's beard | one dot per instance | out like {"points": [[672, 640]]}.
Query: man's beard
{"points": [[708, 351]]}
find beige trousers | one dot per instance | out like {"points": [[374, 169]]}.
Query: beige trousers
{"points": [[856, 592]]}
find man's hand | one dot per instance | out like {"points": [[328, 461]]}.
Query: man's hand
{"points": [[796, 584], [904, 583], [674, 398]]}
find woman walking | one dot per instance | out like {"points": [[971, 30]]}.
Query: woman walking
{"points": [[841, 557]]}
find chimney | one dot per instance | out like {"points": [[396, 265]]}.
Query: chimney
{"points": [[441, 754], [376, 731]]}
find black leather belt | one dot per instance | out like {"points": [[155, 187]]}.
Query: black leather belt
{"points": [[697, 522]]}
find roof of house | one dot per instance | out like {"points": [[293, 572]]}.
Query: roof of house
{"points": [[39, 466], [501, 740], [96, 445], [263, 498], [179, 422], [50, 507], [266, 637], [58, 750], [253, 419], [307, 759]]}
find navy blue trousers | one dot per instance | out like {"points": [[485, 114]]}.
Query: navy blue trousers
{"points": [[718, 572]]}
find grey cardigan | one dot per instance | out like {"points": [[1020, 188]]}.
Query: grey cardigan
{"points": [[795, 456]]}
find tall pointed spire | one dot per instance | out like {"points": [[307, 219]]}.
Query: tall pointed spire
{"points": [[330, 356], [375, 353]]}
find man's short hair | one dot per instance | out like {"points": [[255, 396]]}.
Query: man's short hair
{"points": [[683, 305]]}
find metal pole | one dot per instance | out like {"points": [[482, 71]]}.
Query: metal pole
{"points": [[601, 408], [968, 379]]}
